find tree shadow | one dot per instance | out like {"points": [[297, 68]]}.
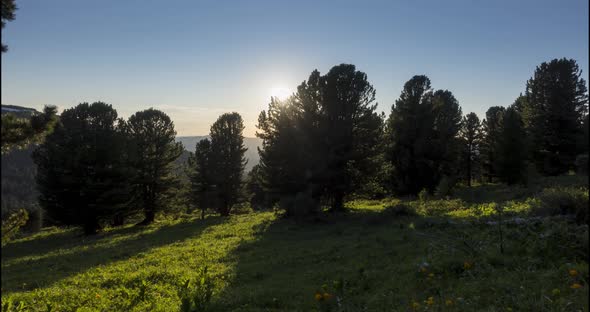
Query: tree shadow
{"points": [[70, 254], [291, 259]]}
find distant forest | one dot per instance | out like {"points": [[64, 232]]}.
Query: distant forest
{"points": [[320, 147]]}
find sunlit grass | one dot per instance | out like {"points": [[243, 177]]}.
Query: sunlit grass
{"points": [[444, 258]]}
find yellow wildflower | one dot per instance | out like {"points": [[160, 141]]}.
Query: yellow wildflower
{"points": [[97, 296], [573, 273], [327, 296], [555, 292], [431, 275], [576, 286], [467, 265], [318, 296], [449, 302], [415, 305], [430, 301]]}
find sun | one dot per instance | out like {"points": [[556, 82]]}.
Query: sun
{"points": [[280, 93]]}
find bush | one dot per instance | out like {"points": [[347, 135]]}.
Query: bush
{"points": [[445, 186], [400, 210], [582, 164], [563, 201], [11, 226]]}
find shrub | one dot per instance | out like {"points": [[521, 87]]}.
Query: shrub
{"points": [[198, 298], [445, 186], [400, 210], [423, 195], [11, 226], [563, 201]]}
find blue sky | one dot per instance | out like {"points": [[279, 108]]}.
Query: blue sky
{"points": [[198, 59]]}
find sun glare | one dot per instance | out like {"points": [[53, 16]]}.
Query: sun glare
{"points": [[280, 93]]}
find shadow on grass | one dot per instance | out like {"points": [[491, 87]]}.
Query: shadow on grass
{"points": [[67, 254], [485, 193], [291, 259]]}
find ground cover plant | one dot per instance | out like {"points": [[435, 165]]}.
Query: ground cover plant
{"points": [[464, 253]]}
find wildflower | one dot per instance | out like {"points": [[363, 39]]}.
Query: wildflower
{"points": [[430, 301], [555, 292], [576, 286], [415, 305], [97, 296], [467, 265], [318, 296], [449, 302], [327, 296], [431, 275], [573, 273]]}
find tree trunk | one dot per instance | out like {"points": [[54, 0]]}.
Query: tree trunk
{"points": [[118, 220], [469, 172], [337, 203]]}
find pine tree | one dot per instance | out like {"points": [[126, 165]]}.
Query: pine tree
{"points": [[202, 175], [422, 137], [153, 152], [470, 135], [20, 131], [491, 130], [445, 151], [323, 142], [227, 153], [557, 101], [284, 151], [352, 130], [82, 176], [512, 154], [8, 8]]}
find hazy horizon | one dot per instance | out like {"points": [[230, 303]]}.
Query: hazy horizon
{"points": [[196, 61]]}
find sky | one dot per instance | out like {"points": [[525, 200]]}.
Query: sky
{"points": [[195, 60]]}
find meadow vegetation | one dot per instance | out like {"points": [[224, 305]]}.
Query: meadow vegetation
{"points": [[412, 254]]}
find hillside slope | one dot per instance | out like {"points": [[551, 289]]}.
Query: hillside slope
{"points": [[372, 258]]}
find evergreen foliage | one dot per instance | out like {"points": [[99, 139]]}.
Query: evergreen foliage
{"points": [[471, 136], [152, 152], [20, 131], [324, 141], [422, 137], [491, 133], [511, 148], [82, 176], [556, 103]]}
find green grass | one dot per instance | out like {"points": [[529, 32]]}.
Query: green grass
{"points": [[370, 258]]}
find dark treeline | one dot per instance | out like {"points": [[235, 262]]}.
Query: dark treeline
{"points": [[321, 146]]}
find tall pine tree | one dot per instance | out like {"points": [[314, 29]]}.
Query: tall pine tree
{"points": [[556, 102], [470, 135], [153, 152], [202, 175], [511, 148], [421, 136], [491, 134], [227, 153], [82, 176]]}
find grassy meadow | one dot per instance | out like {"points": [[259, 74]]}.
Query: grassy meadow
{"points": [[487, 248]]}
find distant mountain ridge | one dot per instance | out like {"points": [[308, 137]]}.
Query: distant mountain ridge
{"points": [[19, 111], [252, 144]]}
